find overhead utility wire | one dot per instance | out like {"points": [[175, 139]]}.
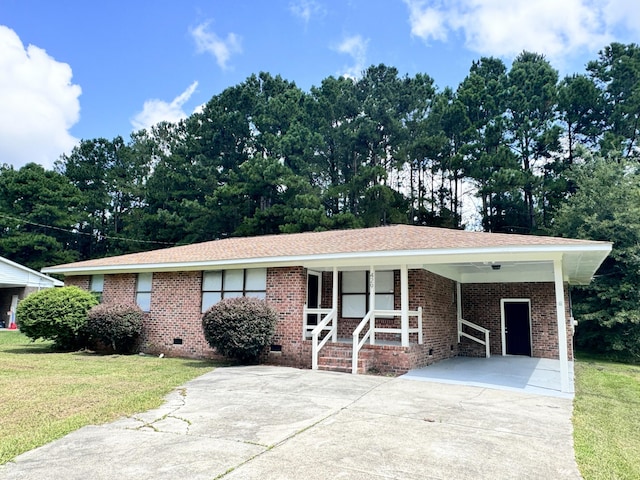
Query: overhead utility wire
{"points": [[83, 233]]}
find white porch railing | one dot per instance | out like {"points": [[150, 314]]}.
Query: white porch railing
{"points": [[369, 319], [320, 312], [480, 329], [328, 324]]}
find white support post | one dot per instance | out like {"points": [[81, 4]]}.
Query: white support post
{"points": [[404, 305], [459, 308], [372, 303], [334, 303], [562, 325]]}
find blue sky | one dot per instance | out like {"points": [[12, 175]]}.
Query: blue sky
{"points": [[72, 70]]}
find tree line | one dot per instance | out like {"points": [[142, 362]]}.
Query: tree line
{"points": [[506, 150]]}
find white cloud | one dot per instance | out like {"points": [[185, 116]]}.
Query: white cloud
{"points": [[426, 22], [39, 104], [222, 49], [506, 28], [306, 9], [356, 47], [155, 111]]}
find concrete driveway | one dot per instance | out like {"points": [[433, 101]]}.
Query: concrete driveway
{"points": [[282, 423]]}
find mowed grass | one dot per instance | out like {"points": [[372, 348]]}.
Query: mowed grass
{"points": [[44, 394], [606, 419]]}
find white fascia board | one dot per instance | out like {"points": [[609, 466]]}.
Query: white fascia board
{"points": [[393, 257], [178, 266]]}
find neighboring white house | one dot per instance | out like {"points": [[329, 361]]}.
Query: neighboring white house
{"points": [[16, 282]]}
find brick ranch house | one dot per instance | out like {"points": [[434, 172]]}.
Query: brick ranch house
{"points": [[384, 299]]}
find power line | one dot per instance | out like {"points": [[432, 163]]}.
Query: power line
{"points": [[84, 233]]}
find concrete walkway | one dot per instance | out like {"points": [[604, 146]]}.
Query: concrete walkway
{"points": [[282, 423], [540, 376]]}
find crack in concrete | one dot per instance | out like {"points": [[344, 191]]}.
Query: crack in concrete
{"points": [[182, 396], [302, 430]]}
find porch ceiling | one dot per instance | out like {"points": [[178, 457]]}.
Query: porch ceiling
{"points": [[578, 269], [496, 272]]}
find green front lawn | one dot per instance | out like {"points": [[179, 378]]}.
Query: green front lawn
{"points": [[606, 419], [44, 395]]}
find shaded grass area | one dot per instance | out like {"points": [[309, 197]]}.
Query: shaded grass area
{"points": [[606, 419], [45, 394]]}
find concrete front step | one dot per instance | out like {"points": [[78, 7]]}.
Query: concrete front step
{"points": [[341, 364], [337, 357]]}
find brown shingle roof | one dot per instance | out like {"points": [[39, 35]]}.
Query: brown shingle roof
{"points": [[380, 239]]}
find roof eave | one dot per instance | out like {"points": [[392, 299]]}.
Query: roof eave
{"points": [[432, 256], [30, 271]]}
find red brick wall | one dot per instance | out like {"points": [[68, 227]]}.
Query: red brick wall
{"points": [[120, 288], [176, 302], [327, 290], [175, 315], [481, 305], [436, 295], [81, 281], [176, 312], [287, 294]]}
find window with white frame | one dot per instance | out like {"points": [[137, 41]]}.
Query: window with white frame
{"points": [[219, 284], [97, 286], [143, 291], [355, 292]]}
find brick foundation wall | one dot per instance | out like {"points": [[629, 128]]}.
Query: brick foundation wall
{"points": [[391, 359], [481, 305]]}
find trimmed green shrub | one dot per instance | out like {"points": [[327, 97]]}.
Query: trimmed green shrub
{"points": [[57, 314], [239, 328], [115, 324]]}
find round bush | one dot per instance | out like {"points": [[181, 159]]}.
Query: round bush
{"points": [[115, 324], [239, 328], [57, 314]]}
